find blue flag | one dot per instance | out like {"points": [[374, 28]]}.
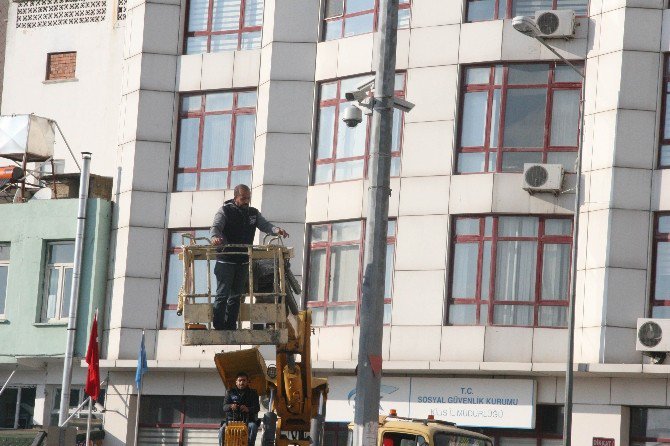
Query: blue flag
{"points": [[141, 364]]}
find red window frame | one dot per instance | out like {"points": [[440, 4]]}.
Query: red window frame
{"points": [[645, 439], [209, 33], [201, 114], [507, 6], [403, 5], [325, 304], [551, 86], [336, 103], [659, 237], [545, 427], [182, 425], [541, 239], [664, 137]]}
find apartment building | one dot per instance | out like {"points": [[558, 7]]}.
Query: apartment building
{"points": [[181, 100]]}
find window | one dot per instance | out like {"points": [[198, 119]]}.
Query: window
{"points": [[518, 113], [664, 152], [58, 281], [216, 140], [649, 426], [175, 272], [548, 430], [341, 151], [180, 420], [4, 273], [223, 25], [61, 66], [335, 434], [345, 18], [661, 284], [77, 396], [336, 272], [17, 405], [510, 270], [480, 10]]}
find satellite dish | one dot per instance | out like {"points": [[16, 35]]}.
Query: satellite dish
{"points": [[43, 194]]}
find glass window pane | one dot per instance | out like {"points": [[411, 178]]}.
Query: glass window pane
{"points": [[565, 118], [395, 166], [245, 131], [474, 119], [61, 252], [198, 12], [464, 284], [359, 5], [213, 180], [495, 119], [200, 272], [350, 141], [515, 271], [467, 226], [316, 287], [662, 280], [216, 141], [552, 316], [333, 30], [557, 226], [477, 75], [488, 226], [253, 13], [581, 7], [171, 320], [226, 15], [246, 99], [388, 310], [191, 103], [350, 83], [359, 24], [460, 314], [525, 117], [174, 278], [242, 176], [397, 128], [346, 231], [52, 292], [555, 271], [250, 40], [326, 130], [664, 224], [196, 45], [484, 314], [480, 10], [521, 315], [665, 155], [344, 265], [328, 91], [188, 142], [319, 233], [334, 8], [517, 226], [650, 422], [404, 18], [3, 287], [318, 316], [67, 292], [565, 73], [388, 271], [486, 271], [471, 162], [4, 251], [528, 7], [348, 170], [567, 159], [218, 102], [203, 410], [514, 161], [528, 74], [185, 182], [224, 42], [342, 315], [323, 173]]}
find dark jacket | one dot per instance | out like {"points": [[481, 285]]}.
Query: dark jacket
{"points": [[237, 226], [247, 397]]}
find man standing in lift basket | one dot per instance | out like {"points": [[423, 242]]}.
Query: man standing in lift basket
{"points": [[235, 223], [241, 404]]}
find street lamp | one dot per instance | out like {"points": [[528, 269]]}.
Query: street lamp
{"points": [[527, 26]]}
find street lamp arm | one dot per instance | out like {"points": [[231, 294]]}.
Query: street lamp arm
{"points": [[563, 59]]}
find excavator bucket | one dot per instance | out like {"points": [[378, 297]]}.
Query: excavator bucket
{"points": [[236, 434], [249, 361]]}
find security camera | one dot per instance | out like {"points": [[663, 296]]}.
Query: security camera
{"points": [[526, 25], [402, 105], [352, 116], [362, 90]]}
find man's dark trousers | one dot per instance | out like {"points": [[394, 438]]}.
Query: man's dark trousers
{"points": [[231, 285]]}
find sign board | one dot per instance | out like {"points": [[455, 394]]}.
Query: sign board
{"points": [[499, 403], [603, 441]]}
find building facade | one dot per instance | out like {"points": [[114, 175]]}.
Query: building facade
{"points": [[181, 100]]}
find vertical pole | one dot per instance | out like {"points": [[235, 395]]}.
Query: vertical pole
{"points": [[368, 379], [137, 415], [567, 412], [17, 410], [88, 421], [74, 296]]}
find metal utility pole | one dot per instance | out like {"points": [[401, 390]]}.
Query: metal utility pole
{"points": [[74, 296], [368, 379]]}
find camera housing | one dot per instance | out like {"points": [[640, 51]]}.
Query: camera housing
{"points": [[352, 116]]}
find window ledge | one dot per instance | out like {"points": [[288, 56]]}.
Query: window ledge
{"points": [[50, 324], [4, 321], [60, 81]]}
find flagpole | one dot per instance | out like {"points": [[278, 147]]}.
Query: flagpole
{"points": [[141, 367], [137, 414], [88, 422]]}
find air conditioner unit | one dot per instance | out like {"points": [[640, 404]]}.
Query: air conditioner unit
{"points": [[542, 177], [653, 335], [556, 23]]}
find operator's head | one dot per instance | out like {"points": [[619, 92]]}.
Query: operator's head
{"points": [[242, 380], [242, 195]]}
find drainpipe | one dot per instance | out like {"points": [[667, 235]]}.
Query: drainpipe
{"points": [[74, 296]]}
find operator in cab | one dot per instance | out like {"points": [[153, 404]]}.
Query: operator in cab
{"points": [[241, 404], [235, 223]]}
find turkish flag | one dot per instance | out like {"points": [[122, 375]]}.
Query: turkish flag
{"points": [[92, 359]]}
